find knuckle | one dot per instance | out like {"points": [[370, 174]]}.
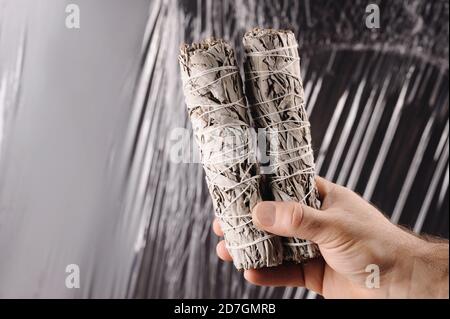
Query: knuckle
{"points": [[296, 215]]}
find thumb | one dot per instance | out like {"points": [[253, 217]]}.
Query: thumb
{"points": [[290, 219]]}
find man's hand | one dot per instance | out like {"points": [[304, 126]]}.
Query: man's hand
{"points": [[352, 235]]}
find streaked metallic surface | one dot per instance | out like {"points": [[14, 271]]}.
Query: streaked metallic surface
{"points": [[86, 118]]}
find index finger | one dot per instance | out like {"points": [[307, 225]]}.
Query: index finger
{"points": [[323, 186]]}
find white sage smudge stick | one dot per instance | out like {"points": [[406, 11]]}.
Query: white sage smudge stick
{"points": [[218, 111], [274, 90]]}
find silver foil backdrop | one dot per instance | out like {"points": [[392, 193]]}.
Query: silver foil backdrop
{"points": [[87, 119]]}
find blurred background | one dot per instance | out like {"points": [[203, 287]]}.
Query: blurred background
{"points": [[86, 117]]}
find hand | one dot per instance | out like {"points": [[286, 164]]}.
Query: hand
{"points": [[352, 235]]}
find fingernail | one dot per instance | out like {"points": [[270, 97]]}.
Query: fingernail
{"points": [[265, 214]]}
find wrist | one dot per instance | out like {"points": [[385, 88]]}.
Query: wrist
{"points": [[432, 272], [422, 270]]}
